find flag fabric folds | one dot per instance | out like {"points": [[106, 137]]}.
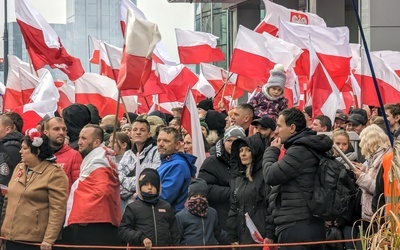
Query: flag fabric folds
{"points": [[191, 122], [42, 42], [140, 41], [325, 94], [275, 12], [196, 47], [250, 57], [96, 189]]}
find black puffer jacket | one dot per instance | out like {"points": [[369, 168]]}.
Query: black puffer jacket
{"points": [[12, 142], [249, 196], [297, 165], [218, 173], [142, 220]]}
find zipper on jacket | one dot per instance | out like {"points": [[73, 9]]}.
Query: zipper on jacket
{"points": [[204, 238], [155, 225]]}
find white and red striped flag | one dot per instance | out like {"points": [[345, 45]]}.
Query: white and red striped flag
{"points": [[96, 189], [42, 42], [388, 81], [110, 59], [251, 58], [325, 94], [124, 8], [255, 234], [102, 92], [275, 12], [331, 45], [176, 80], [195, 47], [95, 57], [13, 95], [28, 84], [391, 58], [140, 41], [67, 94], [44, 102], [191, 122]]}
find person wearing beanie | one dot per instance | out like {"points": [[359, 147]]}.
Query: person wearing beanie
{"points": [[204, 106], [198, 222], [249, 193], [124, 120], [76, 116], [271, 101], [217, 171], [149, 221], [308, 115]]}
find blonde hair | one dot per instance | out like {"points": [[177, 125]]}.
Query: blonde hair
{"points": [[371, 139], [340, 132]]}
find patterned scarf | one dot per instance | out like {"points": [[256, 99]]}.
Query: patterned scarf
{"points": [[198, 207]]}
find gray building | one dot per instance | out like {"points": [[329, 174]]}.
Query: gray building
{"points": [[381, 22], [97, 18]]}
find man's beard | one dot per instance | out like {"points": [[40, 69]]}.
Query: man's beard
{"points": [[56, 144], [87, 150]]}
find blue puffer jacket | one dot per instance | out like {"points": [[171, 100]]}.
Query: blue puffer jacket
{"points": [[176, 171]]}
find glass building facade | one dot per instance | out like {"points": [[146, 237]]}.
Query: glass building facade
{"points": [[212, 18], [97, 18]]}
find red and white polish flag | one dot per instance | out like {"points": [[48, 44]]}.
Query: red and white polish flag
{"points": [[274, 12], [255, 234], [95, 57], [251, 57], [331, 46], [391, 58], [324, 92], [388, 81], [42, 42], [124, 7], [191, 122], [29, 82], [196, 47], [67, 94], [100, 91], [13, 95], [110, 60], [140, 41]]}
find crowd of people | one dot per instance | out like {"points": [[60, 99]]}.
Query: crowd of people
{"points": [[84, 180]]}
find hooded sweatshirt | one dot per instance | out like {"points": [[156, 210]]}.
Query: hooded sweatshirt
{"points": [[176, 171]]}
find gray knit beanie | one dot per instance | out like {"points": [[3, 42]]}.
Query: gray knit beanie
{"points": [[198, 186], [234, 131], [277, 77]]}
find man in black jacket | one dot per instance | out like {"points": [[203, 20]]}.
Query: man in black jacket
{"points": [[11, 138], [292, 179]]}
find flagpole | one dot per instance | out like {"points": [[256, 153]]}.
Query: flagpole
{"points": [[116, 120], [371, 67], [90, 64], [115, 79]]}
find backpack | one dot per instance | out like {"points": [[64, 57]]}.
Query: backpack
{"points": [[334, 188]]}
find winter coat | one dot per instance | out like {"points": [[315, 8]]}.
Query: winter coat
{"points": [[149, 158], [142, 220], [218, 173], [35, 206], [12, 142], [249, 196], [6, 167], [200, 231], [367, 181], [292, 177], [265, 105], [176, 171], [70, 160]]}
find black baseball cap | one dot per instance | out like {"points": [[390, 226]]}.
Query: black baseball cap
{"points": [[265, 122]]}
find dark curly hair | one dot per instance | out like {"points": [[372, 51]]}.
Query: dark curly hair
{"points": [[45, 151]]}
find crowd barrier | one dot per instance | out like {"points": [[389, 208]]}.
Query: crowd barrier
{"points": [[266, 246]]}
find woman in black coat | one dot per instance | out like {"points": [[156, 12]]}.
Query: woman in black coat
{"points": [[249, 192]]}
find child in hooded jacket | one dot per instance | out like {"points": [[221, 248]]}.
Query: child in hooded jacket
{"points": [[271, 101], [198, 223], [149, 221]]}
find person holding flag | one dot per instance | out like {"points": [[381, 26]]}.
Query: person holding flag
{"points": [[249, 193]]}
